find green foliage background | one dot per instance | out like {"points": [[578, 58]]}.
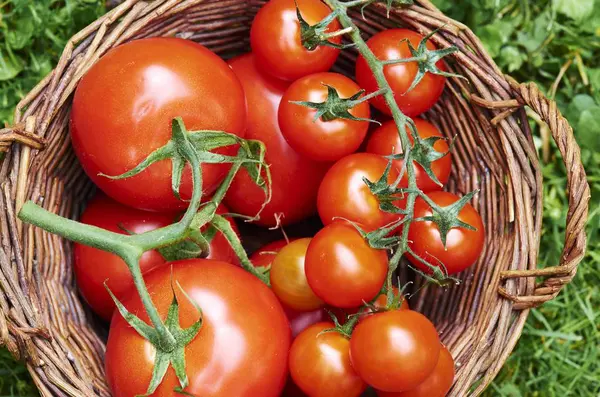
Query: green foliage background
{"points": [[559, 352]]}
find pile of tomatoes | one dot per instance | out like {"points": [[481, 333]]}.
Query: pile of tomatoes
{"points": [[256, 340]]}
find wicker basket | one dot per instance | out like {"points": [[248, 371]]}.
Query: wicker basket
{"points": [[42, 319]]}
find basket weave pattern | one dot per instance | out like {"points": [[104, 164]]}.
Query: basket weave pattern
{"points": [[42, 318]]}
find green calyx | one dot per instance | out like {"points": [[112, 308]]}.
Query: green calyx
{"points": [[314, 36], [346, 329], [387, 194]]}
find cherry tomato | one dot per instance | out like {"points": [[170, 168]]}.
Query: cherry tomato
{"points": [[395, 350], [463, 246], [438, 384], [321, 139], [320, 364], [341, 267], [241, 349], [389, 45], [275, 39], [385, 141], [381, 303], [288, 278], [344, 194], [294, 179], [124, 105]]}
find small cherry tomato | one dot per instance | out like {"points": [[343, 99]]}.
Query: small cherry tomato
{"points": [[288, 278], [341, 267], [323, 139], [463, 246], [385, 141], [390, 45], [320, 364], [344, 194], [438, 384], [395, 350], [276, 41]]}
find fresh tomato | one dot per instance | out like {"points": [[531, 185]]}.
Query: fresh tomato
{"points": [[438, 384], [389, 45], [241, 349], [395, 350], [294, 179], [385, 141], [463, 246], [275, 39], [288, 278], [322, 139], [124, 105], [264, 256], [341, 267], [344, 194], [320, 364], [381, 303]]}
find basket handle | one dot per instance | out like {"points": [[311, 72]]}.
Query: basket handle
{"points": [[555, 277]]}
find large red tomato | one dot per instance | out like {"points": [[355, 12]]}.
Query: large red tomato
{"points": [[322, 139], [275, 39], [463, 246], [241, 349], [389, 45], [395, 350], [344, 194], [385, 141], [320, 364], [295, 179], [124, 105]]}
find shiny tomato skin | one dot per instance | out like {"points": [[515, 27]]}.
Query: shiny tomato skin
{"points": [[342, 269], [395, 350], [241, 349], [124, 105], [321, 140], [344, 194], [276, 43], [320, 364], [389, 45], [385, 141], [294, 179], [463, 246], [288, 278], [438, 384]]}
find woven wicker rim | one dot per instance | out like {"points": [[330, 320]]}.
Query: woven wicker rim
{"points": [[42, 319]]}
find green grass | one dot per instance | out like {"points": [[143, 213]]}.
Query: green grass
{"points": [[532, 40]]}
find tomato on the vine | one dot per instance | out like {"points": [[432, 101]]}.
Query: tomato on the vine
{"points": [[326, 138], [341, 267], [385, 141], [344, 194], [241, 349], [320, 363], [395, 350], [288, 277], [463, 246], [381, 303], [391, 45], [123, 108], [437, 384], [275, 37], [294, 179]]}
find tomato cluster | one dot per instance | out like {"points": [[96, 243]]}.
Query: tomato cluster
{"points": [[331, 323]]}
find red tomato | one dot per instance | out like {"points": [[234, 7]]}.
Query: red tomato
{"points": [[124, 105], [341, 267], [381, 303], [288, 278], [234, 354], [395, 350], [321, 140], [344, 194], [438, 384], [294, 179], [320, 364], [385, 141], [275, 39], [264, 256], [389, 45], [463, 246]]}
